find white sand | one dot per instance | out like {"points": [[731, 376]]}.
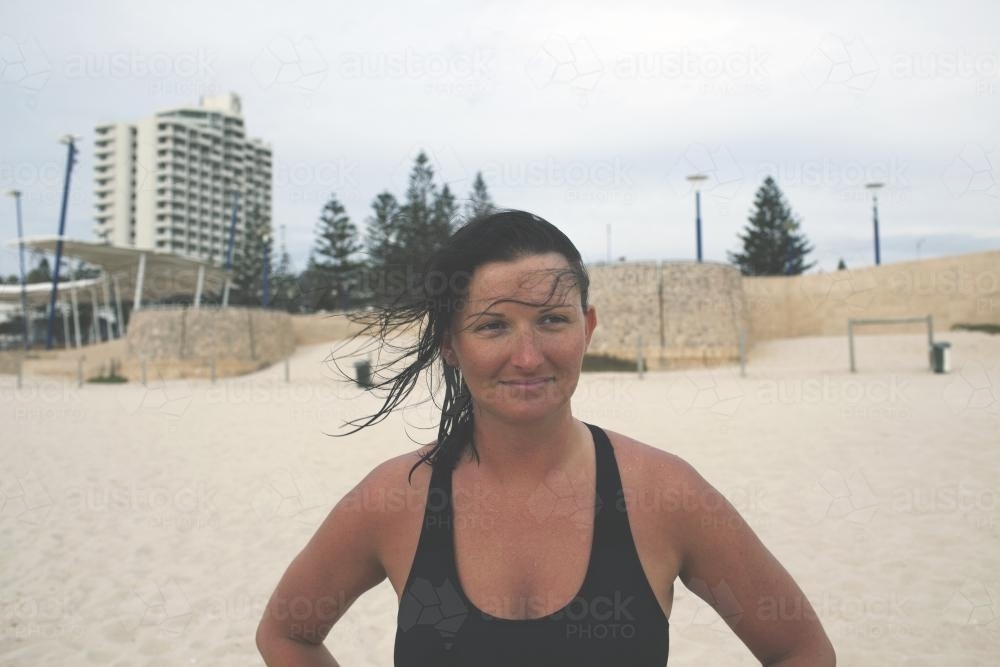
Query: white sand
{"points": [[878, 491]]}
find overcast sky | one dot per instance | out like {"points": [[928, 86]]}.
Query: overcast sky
{"points": [[589, 114]]}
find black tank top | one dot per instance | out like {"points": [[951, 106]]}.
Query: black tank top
{"points": [[615, 618]]}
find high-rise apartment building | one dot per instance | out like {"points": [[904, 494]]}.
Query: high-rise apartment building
{"points": [[167, 182]]}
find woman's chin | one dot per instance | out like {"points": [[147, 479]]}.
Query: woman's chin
{"points": [[526, 410]]}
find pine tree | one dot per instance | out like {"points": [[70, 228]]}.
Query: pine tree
{"points": [[444, 215], [772, 242], [335, 254], [382, 246], [479, 203], [42, 273], [248, 269], [382, 237], [416, 241], [284, 281]]}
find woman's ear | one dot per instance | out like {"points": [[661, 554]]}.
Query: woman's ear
{"points": [[447, 351]]}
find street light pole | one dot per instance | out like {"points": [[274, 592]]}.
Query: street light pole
{"points": [[229, 250], [266, 273], [16, 194], [697, 179], [874, 187], [70, 141]]}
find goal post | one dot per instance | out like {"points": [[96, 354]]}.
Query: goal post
{"points": [[851, 323]]}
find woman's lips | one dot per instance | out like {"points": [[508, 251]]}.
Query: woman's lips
{"points": [[526, 383]]}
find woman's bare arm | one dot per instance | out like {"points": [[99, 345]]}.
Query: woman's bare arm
{"points": [[726, 565], [339, 563]]}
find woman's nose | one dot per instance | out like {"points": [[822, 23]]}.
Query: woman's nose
{"points": [[527, 353]]}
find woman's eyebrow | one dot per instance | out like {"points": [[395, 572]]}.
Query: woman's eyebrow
{"points": [[485, 312]]}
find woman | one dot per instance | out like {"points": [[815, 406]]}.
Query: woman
{"points": [[533, 538]]}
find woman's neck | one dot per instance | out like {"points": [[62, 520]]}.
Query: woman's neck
{"points": [[523, 454]]}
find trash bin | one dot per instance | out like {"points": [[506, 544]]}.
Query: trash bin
{"points": [[363, 373], [941, 357]]}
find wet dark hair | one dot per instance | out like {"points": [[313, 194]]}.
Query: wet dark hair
{"points": [[430, 304]]}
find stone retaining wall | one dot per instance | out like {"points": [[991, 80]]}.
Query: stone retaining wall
{"points": [[681, 313], [963, 289], [227, 334]]}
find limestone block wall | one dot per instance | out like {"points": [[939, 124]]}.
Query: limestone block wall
{"points": [[317, 328], [684, 313], [962, 289], [236, 334]]}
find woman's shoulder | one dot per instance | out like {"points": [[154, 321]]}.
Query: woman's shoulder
{"points": [[649, 464], [663, 483], [397, 483]]}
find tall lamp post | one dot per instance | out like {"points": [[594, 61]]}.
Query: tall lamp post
{"points": [[697, 179], [16, 194], [70, 142], [229, 250], [265, 286], [874, 187]]}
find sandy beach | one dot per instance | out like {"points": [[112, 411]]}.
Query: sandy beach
{"points": [[148, 525]]}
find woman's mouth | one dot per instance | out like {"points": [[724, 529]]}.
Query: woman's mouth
{"points": [[527, 384]]}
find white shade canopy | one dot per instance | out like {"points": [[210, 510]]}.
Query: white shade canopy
{"points": [[166, 274]]}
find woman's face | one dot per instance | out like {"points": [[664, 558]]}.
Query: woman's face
{"points": [[521, 362]]}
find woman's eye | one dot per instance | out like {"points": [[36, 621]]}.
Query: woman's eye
{"points": [[555, 318], [490, 326]]}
